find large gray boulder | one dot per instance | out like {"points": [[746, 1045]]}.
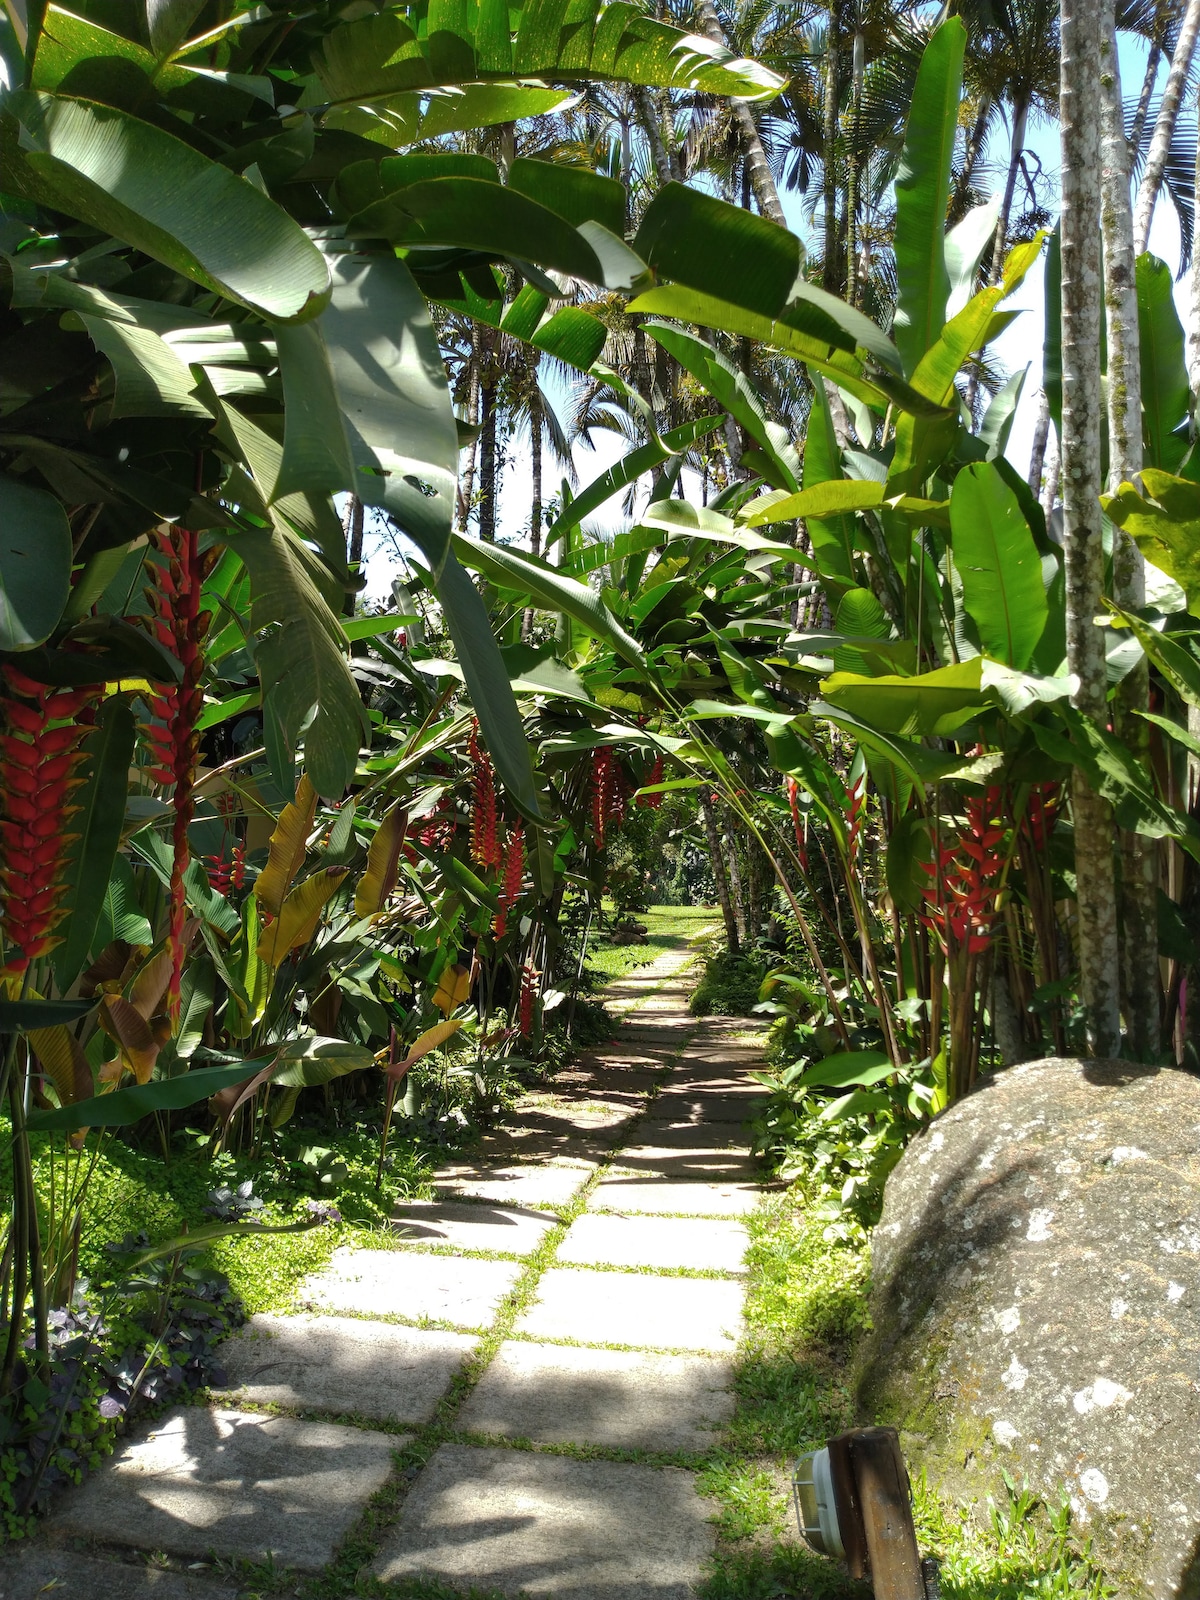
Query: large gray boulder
{"points": [[1036, 1305]]}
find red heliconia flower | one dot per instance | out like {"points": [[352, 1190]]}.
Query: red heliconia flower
{"points": [[38, 758], [655, 775], [220, 873], [437, 831], [485, 837], [856, 798], [964, 893], [602, 765], [1041, 812], [180, 626], [514, 878], [529, 977], [798, 822]]}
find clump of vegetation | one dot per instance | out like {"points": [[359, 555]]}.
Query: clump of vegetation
{"points": [[729, 984]]}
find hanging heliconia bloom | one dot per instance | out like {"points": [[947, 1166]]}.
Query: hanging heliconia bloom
{"points": [[225, 875], [964, 894], [798, 822], [180, 626], [529, 977], [618, 795], [485, 836], [856, 799], [38, 757], [1041, 812], [514, 878], [602, 766], [655, 775]]}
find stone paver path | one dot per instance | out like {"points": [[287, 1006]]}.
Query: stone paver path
{"points": [[517, 1387]]}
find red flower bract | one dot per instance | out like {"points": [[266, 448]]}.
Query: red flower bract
{"points": [[37, 774], [514, 878], [485, 841]]}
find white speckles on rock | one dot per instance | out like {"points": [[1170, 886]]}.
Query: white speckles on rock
{"points": [[1100, 1395], [1005, 1434], [1118, 1309], [1067, 1168], [1126, 1152], [1039, 1225], [1175, 1293], [1008, 1320], [1015, 1377], [1094, 1485]]}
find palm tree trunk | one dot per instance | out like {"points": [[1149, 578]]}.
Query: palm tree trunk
{"points": [[860, 65], [719, 875], [830, 275], [1193, 333], [1082, 532], [535, 515], [1164, 128], [487, 456], [658, 150], [1020, 118], [1037, 453], [354, 550], [467, 483], [1139, 855], [762, 179], [1143, 106], [971, 154]]}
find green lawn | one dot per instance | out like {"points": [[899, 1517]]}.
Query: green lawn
{"points": [[666, 928]]}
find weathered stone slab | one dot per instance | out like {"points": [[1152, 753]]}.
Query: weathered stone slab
{"points": [[551, 1185], [343, 1365], [467, 1226], [1037, 1282], [48, 1574], [700, 1243], [231, 1484], [692, 1106], [665, 1197], [636, 1309], [661, 1161], [549, 1525], [404, 1283], [693, 1135], [627, 1400]]}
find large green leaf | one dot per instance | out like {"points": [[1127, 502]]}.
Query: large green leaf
{"points": [[488, 684], [929, 704], [1165, 395], [380, 55], [627, 471], [157, 193], [1165, 526], [35, 564], [123, 1107], [151, 380], [721, 250], [107, 756], [998, 563], [922, 194], [316, 453], [312, 1060], [730, 387], [395, 402], [301, 658], [831, 532], [513, 569]]}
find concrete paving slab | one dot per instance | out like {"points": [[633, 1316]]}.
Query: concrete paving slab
{"points": [[693, 1135], [404, 1283], [625, 1399], [624, 1193], [635, 1309], [466, 1226], [660, 1161], [550, 1186], [34, 1574], [232, 1484], [549, 1525], [693, 1107], [704, 1244], [342, 1365]]}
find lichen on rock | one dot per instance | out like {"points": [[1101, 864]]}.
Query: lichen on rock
{"points": [[1036, 1305]]}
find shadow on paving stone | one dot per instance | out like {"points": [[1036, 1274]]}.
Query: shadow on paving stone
{"points": [[624, 1399], [512, 1230], [550, 1525], [68, 1575], [232, 1484], [342, 1365]]}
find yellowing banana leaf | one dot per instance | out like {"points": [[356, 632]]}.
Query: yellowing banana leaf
{"points": [[299, 915], [424, 1043], [135, 1038], [61, 1058], [288, 844], [453, 988], [1165, 526], [383, 864]]}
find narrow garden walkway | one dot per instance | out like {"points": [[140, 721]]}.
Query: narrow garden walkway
{"points": [[509, 1398]]}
